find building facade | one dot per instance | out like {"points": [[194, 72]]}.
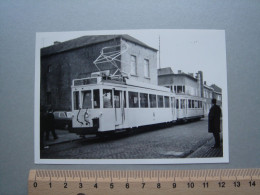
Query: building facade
{"points": [[181, 82], [73, 59]]}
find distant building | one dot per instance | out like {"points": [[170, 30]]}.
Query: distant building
{"points": [[73, 59], [181, 82], [208, 95]]}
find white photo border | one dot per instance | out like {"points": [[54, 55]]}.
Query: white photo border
{"points": [[38, 160]]}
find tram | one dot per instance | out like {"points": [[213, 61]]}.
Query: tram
{"points": [[189, 107], [104, 104]]}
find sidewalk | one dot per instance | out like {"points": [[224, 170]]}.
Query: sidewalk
{"points": [[206, 151], [63, 137]]}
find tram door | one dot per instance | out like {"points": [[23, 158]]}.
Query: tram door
{"points": [[119, 107]]}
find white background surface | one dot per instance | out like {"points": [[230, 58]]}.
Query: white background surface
{"points": [[20, 20]]}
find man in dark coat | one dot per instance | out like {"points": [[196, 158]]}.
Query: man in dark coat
{"points": [[50, 125], [214, 122]]}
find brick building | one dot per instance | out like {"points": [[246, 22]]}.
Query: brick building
{"points": [[73, 59]]}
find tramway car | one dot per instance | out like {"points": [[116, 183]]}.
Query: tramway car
{"points": [[189, 107], [101, 104]]}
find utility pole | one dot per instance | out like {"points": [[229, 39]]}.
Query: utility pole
{"points": [[159, 54]]}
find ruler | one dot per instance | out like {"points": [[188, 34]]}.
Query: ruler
{"points": [[133, 182]]}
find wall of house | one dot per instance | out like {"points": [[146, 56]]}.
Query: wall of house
{"points": [[141, 54], [58, 71]]}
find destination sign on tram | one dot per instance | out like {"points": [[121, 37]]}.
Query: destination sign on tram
{"points": [[85, 81]]}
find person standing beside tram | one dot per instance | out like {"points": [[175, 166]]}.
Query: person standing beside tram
{"points": [[50, 125], [214, 122]]}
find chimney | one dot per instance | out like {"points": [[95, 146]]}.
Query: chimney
{"points": [[200, 83], [179, 71], [56, 42], [205, 83]]}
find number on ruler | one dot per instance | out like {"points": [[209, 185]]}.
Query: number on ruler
{"points": [[205, 184], [190, 185], [252, 183], [221, 184], [80, 185], [237, 184]]}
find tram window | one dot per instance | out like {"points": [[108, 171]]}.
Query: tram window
{"points": [[160, 101], [76, 100], [133, 99], [152, 99], [172, 102], [124, 99], [192, 103], [107, 98], [196, 104], [182, 104], [177, 103], [189, 103], [166, 102], [87, 100], [117, 99], [144, 100], [96, 98]]}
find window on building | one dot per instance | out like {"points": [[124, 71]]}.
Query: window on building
{"points": [[160, 101], [96, 98], [166, 102], [107, 98], [144, 100], [152, 99], [146, 69], [87, 100], [133, 99], [117, 99], [175, 89], [180, 89], [133, 65]]}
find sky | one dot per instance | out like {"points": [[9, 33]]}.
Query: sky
{"points": [[187, 50]]}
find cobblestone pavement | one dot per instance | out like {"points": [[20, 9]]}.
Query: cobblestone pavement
{"points": [[178, 141]]}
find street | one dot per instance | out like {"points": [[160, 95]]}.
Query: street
{"points": [[178, 141]]}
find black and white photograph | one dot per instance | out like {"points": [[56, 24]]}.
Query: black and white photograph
{"points": [[131, 97]]}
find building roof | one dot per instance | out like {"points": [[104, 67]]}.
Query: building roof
{"points": [[164, 71], [88, 40], [216, 88]]}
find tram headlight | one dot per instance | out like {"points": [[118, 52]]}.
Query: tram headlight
{"points": [[86, 115]]}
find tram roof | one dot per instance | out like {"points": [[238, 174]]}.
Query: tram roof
{"points": [[127, 82]]}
